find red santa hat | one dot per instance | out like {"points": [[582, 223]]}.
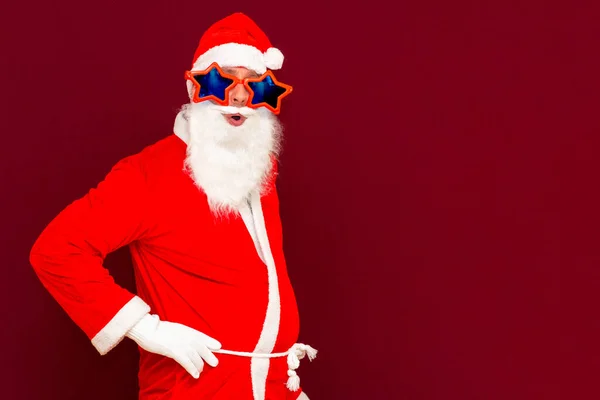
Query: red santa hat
{"points": [[237, 41]]}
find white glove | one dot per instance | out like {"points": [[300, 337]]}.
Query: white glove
{"points": [[183, 344]]}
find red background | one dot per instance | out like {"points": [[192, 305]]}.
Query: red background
{"points": [[439, 186]]}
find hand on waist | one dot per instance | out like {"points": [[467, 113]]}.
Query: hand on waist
{"points": [[189, 347]]}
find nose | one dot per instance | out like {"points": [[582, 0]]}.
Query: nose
{"points": [[238, 96]]}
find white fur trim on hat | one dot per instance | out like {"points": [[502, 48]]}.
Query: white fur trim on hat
{"points": [[240, 55]]}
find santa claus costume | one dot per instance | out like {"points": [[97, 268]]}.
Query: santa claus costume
{"points": [[199, 212]]}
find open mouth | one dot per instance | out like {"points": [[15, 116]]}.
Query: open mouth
{"points": [[235, 119]]}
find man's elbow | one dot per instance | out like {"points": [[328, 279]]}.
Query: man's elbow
{"points": [[36, 253], [42, 251]]}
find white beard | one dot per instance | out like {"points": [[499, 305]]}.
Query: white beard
{"points": [[229, 162]]}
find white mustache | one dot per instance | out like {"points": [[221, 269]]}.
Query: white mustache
{"points": [[244, 111]]}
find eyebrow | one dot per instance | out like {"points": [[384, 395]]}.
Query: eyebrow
{"points": [[232, 72]]}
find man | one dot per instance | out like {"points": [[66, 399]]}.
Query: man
{"points": [[200, 213]]}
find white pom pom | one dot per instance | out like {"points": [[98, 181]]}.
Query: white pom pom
{"points": [[273, 58], [293, 382]]}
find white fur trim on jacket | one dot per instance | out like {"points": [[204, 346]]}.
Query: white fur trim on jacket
{"points": [[112, 334], [259, 367], [240, 55]]}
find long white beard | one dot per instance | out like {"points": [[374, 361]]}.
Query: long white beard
{"points": [[229, 162]]}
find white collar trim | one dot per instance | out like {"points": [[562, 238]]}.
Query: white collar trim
{"points": [[181, 128]]}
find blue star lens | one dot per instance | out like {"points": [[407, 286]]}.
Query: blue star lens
{"points": [[212, 84], [266, 91]]}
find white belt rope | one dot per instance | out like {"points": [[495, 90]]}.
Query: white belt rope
{"points": [[296, 353]]}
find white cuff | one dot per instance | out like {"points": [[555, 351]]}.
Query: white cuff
{"points": [[112, 334]]}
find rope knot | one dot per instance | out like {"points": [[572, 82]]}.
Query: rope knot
{"points": [[296, 353]]}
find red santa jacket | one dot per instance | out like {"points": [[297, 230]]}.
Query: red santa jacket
{"points": [[190, 268]]}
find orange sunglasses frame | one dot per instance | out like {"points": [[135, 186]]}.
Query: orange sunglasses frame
{"points": [[189, 75]]}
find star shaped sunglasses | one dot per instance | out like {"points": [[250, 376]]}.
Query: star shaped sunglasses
{"points": [[214, 84]]}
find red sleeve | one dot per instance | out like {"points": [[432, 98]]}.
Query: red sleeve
{"points": [[68, 256]]}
